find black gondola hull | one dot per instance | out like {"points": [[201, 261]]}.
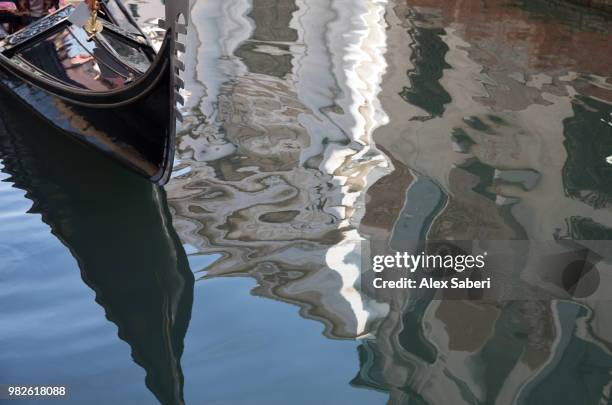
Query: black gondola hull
{"points": [[135, 124], [119, 229]]}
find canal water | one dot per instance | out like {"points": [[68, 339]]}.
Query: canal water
{"points": [[311, 127]]}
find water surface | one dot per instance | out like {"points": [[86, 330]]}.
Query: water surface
{"points": [[311, 127]]}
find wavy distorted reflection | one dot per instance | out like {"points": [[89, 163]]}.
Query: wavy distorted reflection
{"points": [[314, 126], [505, 143], [136, 264], [277, 155]]}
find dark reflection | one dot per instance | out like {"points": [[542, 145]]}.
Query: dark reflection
{"points": [[119, 229], [267, 52], [489, 176], [273, 20], [582, 228], [587, 176], [462, 142], [277, 65], [429, 52]]}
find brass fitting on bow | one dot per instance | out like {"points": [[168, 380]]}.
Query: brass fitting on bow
{"points": [[93, 26]]}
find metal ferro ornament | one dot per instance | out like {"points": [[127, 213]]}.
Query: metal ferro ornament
{"points": [[93, 26]]}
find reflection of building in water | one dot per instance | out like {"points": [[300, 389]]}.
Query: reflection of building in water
{"points": [[268, 50], [278, 154], [528, 351], [502, 96], [278, 174], [482, 144]]}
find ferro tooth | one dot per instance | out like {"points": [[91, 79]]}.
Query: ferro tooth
{"points": [[179, 64], [179, 99], [181, 29], [180, 47], [178, 82], [179, 116]]}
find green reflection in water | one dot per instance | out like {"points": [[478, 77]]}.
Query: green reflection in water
{"points": [[429, 52], [587, 176]]}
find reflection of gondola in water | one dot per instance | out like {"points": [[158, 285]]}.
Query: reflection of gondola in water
{"points": [[111, 90], [118, 227]]}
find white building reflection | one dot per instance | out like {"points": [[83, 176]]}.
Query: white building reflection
{"points": [[277, 157]]}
